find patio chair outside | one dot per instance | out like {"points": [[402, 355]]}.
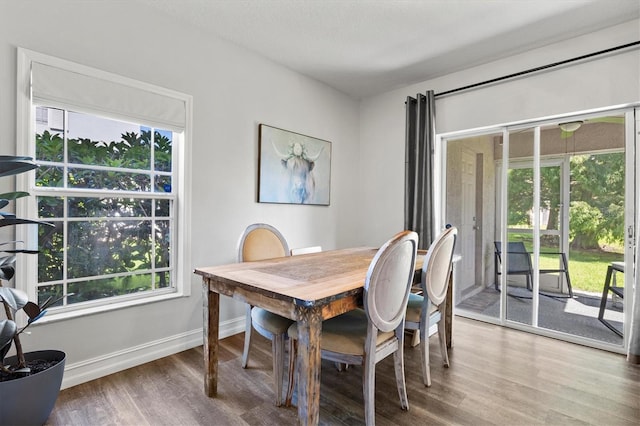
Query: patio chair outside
{"points": [[518, 261]]}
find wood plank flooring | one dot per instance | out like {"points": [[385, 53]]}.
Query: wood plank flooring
{"points": [[498, 376]]}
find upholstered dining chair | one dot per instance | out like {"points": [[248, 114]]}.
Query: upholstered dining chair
{"points": [[427, 309], [258, 242], [367, 336]]}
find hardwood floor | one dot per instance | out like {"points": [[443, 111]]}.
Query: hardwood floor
{"points": [[498, 376]]}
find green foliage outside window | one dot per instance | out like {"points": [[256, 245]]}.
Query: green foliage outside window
{"points": [[596, 212], [598, 181], [114, 242]]}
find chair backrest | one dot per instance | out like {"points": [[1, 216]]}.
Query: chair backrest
{"points": [[305, 250], [261, 241], [518, 259], [437, 266], [389, 279]]}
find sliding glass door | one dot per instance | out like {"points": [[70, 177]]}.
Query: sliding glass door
{"points": [[563, 204]]}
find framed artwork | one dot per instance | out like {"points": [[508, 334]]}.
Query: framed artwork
{"points": [[293, 168]]}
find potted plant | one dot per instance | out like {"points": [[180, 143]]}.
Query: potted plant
{"points": [[29, 382]]}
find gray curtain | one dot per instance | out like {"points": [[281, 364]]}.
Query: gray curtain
{"points": [[420, 136]]}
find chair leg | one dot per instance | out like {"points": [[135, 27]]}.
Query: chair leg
{"points": [[442, 337], [569, 284], [368, 390], [565, 265], [398, 363], [277, 350], [603, 302], [293, 354], [424, 354], [247, 337], [605, 293]]}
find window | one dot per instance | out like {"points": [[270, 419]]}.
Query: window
{"points": [[111, 183]]}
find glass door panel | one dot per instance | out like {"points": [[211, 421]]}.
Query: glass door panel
{"points": [[553, 256], [516, 254], [565, 203], [470, 206], [597, 156]]}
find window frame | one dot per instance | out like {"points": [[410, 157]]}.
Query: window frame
{"points": [[26, 267]]}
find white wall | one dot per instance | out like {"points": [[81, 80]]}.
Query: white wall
{"points": [[233, 91], [606, 81]]}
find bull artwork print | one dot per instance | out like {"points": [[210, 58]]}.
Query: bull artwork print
{"points": [[299, 167], [294, 168]]}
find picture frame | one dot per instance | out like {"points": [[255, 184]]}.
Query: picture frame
{"points": [[293, 168]]}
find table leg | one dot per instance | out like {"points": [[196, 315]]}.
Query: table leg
{"points": [[309, 367], [211, 317]]}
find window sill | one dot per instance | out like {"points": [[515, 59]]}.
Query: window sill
{"points": [[66, 315]]}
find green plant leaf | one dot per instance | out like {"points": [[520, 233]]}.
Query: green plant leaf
{"points": [[32, 310], [37, 317], [13, 195], [22, 251], [12, 165], [7, 272], [16, 299], [7, 221], [8, 329], [51, 301], [14, 158], [4, 350], [7, 260]]}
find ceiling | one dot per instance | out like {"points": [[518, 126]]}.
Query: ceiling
{"points": [[365, 47]]}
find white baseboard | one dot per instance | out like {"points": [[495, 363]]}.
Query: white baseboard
{"points": [[91, 369]]}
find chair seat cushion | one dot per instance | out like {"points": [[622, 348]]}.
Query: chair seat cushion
{"points": [[414, 308], [269, 321], [345, 334]]}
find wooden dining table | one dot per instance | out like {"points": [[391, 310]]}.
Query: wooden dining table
{"points": [[308, 289]]}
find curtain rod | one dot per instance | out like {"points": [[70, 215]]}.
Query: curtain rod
{"points": [[540, 68]]}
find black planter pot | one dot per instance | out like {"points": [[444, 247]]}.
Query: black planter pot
{"points": [[29, 400]]}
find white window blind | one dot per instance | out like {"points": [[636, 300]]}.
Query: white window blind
{"points": [[106, 94]]}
